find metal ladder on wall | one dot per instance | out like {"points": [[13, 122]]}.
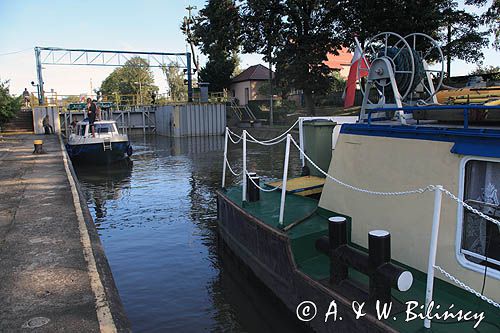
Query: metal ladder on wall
{"points": [[106, 144], [239, 111]]}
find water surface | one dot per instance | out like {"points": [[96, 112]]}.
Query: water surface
{"points": [[157, 222]]}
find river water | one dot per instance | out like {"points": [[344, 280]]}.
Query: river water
{"points": [[157, 217]]}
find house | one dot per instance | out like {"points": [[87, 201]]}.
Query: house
{"points": [[245, 86], [341, 62]]}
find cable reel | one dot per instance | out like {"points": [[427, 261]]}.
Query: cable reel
{"points": [[396, 72]]}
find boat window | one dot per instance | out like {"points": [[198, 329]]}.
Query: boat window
{"points": [[481, 238], [82, 133], [103, 128]]}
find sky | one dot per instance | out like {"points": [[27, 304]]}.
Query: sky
{"points": [[148, 25]]}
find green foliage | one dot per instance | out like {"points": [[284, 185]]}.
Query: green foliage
{"points": [[175, 80], [281, 108], [134, 78], [9, 105], [218, 71], [71, 99], [218, 18], [217, 31], [310, 30], [261, 28], [460, 35], [491, 18], [457, 30], [480, 70], [337, 83]]}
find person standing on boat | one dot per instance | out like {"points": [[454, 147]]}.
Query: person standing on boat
{"points": [[91, 114]]}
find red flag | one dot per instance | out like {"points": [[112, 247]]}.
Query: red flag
{"points": [[357, 60]]}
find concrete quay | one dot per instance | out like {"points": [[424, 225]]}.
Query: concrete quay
{"points": [[54, 276]]}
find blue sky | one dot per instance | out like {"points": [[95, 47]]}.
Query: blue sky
{"points": [[149, 25]]}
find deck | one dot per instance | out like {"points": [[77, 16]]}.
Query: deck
{"points": [[312, 222]]}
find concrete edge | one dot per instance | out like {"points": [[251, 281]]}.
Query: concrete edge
{"points": [[118, 313]]}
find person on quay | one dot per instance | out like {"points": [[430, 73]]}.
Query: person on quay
{"points": [[46, 125], [26, 97]]}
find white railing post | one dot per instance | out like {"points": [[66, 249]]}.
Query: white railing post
{"points": [[244, 173], [301, 140], [225, 159], [285, 176], [438, 195]]}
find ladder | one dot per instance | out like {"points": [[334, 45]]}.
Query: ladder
{"points": [[242, 112], [106, 144]]}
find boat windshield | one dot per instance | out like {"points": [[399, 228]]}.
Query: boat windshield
{"points": [[104, 128]]}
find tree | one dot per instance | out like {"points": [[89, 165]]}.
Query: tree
{"points": [[175, 80], [455, 29], [310, 30], [494, 71], [491, 18], [261, 34], [134, 78], [217, 32], [9, 105], [218, 71], [461, 38]]}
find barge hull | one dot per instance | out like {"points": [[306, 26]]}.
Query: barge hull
{"points": [[267, 252]]}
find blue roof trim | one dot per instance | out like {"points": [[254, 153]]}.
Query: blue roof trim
{"points": [[476, 149], [468, 141]]}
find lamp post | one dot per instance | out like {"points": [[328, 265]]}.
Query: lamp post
{"points": [[140, 90]]}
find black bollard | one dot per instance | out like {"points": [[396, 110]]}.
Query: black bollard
{"points": [[377, 264], [254, 192], [249, 182], [337, 234], [379, 254]]}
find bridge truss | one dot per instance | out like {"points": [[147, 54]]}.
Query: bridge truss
{"points": [[86, 57]]}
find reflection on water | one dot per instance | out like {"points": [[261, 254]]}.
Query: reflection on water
{"points": [[157, 221]]}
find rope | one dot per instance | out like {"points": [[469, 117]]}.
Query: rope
{"points": [[231, 169], [269, 142], [417, 191], [231, 138], [466, 287], [263, 143], [260, 188]]}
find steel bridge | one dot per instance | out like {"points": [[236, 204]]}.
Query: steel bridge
{"points": [[86, 57]]}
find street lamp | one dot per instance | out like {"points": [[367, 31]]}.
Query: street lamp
{"points": [[37, 91], [140, 90]]}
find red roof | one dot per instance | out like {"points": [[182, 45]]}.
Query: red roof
{"points": [[338, 61], [253, 73]]}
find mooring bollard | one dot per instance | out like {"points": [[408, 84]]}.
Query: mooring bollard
{"points": [[383, 275], [38, 147], [254, 194], [337, 233], [379, 253], [249, 182]]}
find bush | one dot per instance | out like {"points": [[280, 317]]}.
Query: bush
{"points": [[9, 105], [281, 108]]}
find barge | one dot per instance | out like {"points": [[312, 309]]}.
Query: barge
{"points": [[405, 236]]}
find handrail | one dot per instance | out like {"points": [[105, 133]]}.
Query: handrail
{"points": [[465, 108]]}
